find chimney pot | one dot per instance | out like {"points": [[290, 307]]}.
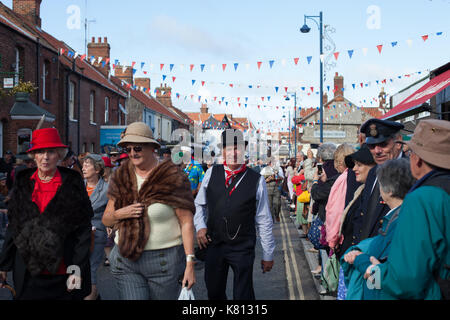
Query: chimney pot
{"points": [[99, 39], [105, 40], [93, 39]]}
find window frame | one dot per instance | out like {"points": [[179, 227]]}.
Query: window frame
{"points": [[107, 104], [92, 107], [72, 85]]}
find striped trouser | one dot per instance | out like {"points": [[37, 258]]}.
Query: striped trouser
{"points": [[154, 276]]}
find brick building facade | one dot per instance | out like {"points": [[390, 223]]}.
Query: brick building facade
{"points": [[80, 95]]}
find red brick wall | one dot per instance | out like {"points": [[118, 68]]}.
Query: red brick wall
{"points": [[57, 104], [100, 49], [30, 9], [90, 132], [9, 40]]}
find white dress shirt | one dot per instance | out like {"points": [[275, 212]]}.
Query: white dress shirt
{"points": [[263, 218]]}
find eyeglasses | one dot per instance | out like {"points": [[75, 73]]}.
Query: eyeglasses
{"points": [[136, 149]]}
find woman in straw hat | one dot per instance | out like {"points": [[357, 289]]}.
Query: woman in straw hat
{"points": [[151, 206], [49, 231]]}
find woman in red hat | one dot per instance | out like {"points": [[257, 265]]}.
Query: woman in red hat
{"points": [[49, 233]]}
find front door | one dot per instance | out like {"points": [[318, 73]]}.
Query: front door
{"points": [[1, 139]]}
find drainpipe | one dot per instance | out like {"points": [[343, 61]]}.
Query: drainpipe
{"points": [[38, 71], [79, 113]]}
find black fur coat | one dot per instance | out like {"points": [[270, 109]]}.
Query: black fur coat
{"points": [[62, 231]]}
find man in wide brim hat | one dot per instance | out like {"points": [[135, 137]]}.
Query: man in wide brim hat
{"points": [[431, 142]]}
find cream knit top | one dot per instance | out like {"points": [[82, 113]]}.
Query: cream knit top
{"points": [[165, 230]]}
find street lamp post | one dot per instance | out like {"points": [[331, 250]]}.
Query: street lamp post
{"points": [[295, 123], [290, 133], [306, 29]]}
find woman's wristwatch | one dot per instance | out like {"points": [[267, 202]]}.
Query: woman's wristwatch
{"points": [[191, 258]]}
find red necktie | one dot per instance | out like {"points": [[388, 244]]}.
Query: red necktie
{"points": [[231, 174]]}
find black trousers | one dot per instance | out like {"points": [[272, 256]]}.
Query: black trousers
{"points": [[219, 258]]}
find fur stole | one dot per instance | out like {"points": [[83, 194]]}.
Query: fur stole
{"points": [[166, 184], [40, 238]]}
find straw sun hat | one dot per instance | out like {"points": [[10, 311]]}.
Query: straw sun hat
{"points": [[138, 132]]}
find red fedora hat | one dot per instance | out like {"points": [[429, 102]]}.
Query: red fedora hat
{"points": [[45, 139]]}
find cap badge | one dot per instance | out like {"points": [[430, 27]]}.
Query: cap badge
{"points": [[373, 130]]}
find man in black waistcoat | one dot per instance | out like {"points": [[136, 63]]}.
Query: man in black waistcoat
{"points": [[383, 139], [231, 205]]}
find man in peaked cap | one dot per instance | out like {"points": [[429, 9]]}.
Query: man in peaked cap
{"points": [[383, 139], [419, 258]]}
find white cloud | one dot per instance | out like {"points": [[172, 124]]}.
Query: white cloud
{"points": [[193, 39]]}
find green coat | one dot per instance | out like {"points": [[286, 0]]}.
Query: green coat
{"points": [[420, 246]]}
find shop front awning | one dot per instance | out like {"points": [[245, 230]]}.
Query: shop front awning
{"points": [[426, 92], [27, 110]]}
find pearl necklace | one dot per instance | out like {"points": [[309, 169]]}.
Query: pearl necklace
{"points": [[45, 180]]}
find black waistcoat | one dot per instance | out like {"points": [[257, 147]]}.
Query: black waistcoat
{"points": [[231, 218]]}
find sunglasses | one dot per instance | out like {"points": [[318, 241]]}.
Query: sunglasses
{"points": [[136, 149]]}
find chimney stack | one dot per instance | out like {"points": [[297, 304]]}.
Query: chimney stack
{"points": [[338, 86], [325, 98], [30, 10], [164, 95], [142, 82], [124, 75], [100, 49], [204, 108]]}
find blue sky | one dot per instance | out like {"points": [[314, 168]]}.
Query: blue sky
{"points": [[215, 32]]}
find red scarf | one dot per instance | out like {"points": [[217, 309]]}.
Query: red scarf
{"points": [[231, 174]]}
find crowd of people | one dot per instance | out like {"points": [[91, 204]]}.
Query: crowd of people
{"points": [[376, 214]]}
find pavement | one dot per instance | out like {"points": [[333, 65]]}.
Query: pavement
{"points": [[312, 258]]}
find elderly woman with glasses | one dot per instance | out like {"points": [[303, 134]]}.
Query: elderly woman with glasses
{"points": [[97, 188], [49, 231], [395, 181], [151, 206]]}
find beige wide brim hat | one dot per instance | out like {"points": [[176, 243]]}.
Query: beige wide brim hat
{"points": [[138, 132], [431, 142]]}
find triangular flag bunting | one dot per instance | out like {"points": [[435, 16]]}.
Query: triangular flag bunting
{"points": [[236, 66], [380, 47], [161, 66], [224, 66], [271, 63], [336, 55], [191, 67], [171, 66], [394, 43], [203, 83], [309, 59], [296, 60], [173, 79], [259, 64], [425, 37], [350, 53]]}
